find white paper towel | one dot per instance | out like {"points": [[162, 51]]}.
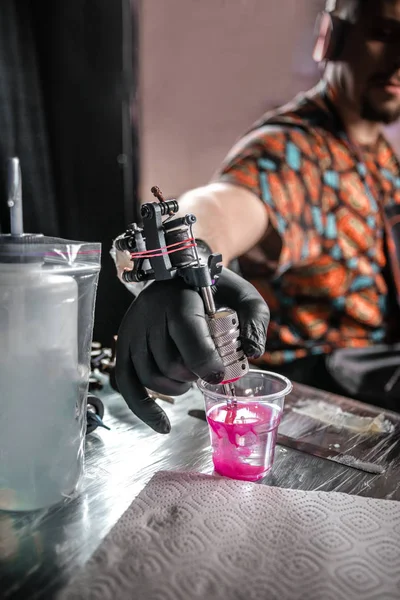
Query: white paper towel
{"points": [[190, 536]]}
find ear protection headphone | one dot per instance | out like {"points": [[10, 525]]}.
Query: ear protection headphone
{"points": [[330, 34]]}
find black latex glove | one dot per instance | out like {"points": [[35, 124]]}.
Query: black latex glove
{"points": [[164, 342]]}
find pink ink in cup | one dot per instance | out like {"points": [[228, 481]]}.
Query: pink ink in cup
{"points": [[243, 427]]}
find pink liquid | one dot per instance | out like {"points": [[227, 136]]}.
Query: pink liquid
{"points": [[243, 439]]}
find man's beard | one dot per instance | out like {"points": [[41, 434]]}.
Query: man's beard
{"points": [[369, 112]]}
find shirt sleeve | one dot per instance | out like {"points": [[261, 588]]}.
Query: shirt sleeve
{"points": [[279, 166]]}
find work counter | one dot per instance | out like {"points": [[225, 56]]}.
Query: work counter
{"points": [[39, 552]]}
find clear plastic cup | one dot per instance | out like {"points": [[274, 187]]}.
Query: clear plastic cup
{"points": [[243, 428]]}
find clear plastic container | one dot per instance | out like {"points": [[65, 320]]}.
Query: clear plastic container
{"points": [[47, 293], [243, 427]]}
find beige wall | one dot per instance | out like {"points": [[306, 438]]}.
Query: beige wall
{"points": [[209, 68]]}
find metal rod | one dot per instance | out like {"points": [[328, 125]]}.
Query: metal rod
{"points": [[195, 246], [14, 189], [208, 299], [209, 304], [229, 390]]}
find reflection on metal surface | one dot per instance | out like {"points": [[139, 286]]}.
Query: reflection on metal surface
{"points": [[40, 551], [350, 430], [332, 414], [332, 454]]}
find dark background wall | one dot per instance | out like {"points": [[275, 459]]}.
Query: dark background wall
{"points": [[69, 77], [23, 126]]}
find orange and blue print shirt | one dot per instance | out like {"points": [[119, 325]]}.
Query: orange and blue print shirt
{"points": [[322, 264]]}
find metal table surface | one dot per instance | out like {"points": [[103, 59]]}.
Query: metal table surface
{"points": [[39, 552]]}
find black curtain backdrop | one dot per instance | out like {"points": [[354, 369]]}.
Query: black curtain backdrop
{"points": [[68, 74]]}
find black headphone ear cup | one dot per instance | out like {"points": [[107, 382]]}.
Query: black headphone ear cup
{"points": [[329, 34], [338, 37]]}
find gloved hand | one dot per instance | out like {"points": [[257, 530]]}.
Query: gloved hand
{"points": [[164, 342]]}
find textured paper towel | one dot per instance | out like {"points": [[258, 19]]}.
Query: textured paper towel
{"points": [[191, 536]]}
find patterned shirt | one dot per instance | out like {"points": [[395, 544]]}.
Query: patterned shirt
{"points": [[321, 266]]}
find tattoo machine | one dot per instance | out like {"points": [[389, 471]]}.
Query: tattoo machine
{"points": [[164, 248]]}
